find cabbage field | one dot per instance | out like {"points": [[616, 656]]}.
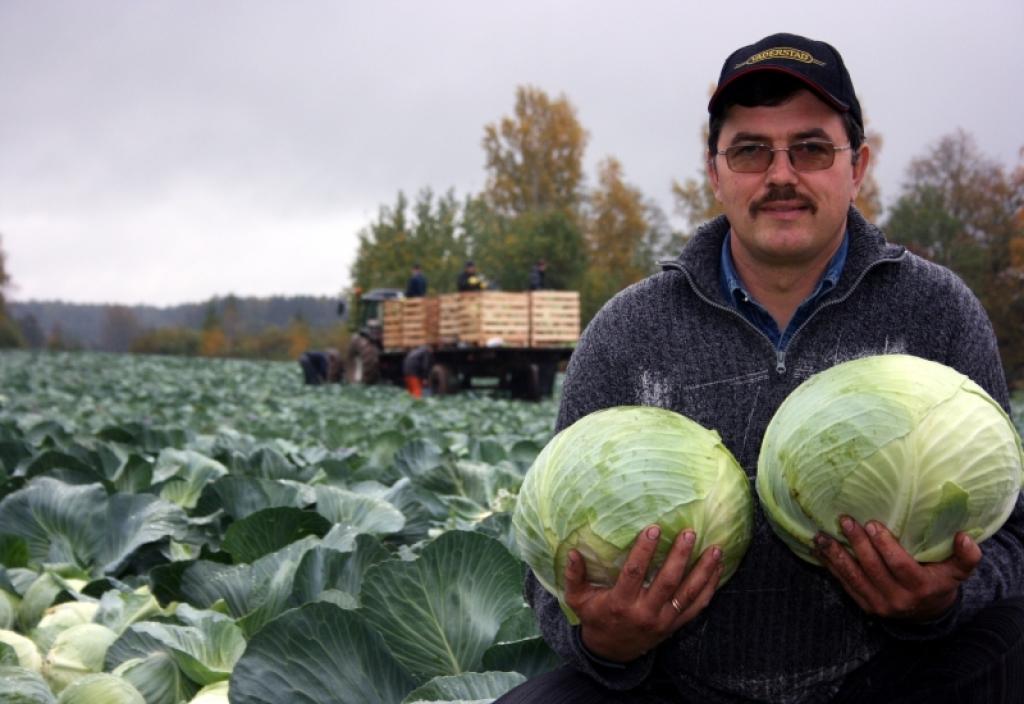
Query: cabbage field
{"points": [[213, 531]]}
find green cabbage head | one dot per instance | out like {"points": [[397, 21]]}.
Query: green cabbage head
{"points": [[602, 480], [898, 439], [76, 652], [100, 688]]}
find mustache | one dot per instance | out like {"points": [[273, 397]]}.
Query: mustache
{"points": [[781, 193]]}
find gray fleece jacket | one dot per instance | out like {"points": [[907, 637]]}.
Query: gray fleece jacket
{"points": [[780, 630]]}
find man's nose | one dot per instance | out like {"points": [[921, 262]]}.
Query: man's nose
{"points": [[781, 169]]}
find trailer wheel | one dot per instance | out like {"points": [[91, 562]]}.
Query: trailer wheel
{"points": [[441, 380], [526, 382], [548, 371], [362, 363]]}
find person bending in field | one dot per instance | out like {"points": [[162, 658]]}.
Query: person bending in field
{"points": [[416, 369]]}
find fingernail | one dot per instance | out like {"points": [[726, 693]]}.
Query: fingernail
{"points": [[572, 558], [716, 553], [689, 537], [847, 524], [821, 540], [653, 532], [965, 540], [871, 528]]}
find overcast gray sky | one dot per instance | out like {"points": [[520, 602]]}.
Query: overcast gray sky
{"points": [[159, 151]]}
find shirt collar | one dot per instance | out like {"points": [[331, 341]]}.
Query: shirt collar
{"points": [[735, 293]]}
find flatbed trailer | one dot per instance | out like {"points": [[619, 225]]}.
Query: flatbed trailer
{"points": [[524, 372], [516, 341]]}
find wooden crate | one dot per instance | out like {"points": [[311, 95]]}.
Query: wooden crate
{"points": [[448, 318], [432, 319], [554, 318], [414, 322], [391, 322], [489, 316]]}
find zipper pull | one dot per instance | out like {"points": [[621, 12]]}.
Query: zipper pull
{"points": [[780, 362]]}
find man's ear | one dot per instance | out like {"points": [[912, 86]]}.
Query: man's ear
{"points": [[860, 169], [711, 168]]}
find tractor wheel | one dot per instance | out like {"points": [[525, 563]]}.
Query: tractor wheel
{"points": [[442, 380], [362, 364]]}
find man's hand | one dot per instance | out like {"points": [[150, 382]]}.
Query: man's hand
{"points": [[886, 581], [623, 622]]}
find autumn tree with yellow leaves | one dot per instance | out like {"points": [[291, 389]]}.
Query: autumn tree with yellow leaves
{"points": [[531, 207], [534, 158], [212, 340], [618, 231]]}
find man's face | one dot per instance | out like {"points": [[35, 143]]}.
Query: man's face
{"points": [[784, 217]]}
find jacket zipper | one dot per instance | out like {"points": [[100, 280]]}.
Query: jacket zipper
{"points": [[780, 355]]}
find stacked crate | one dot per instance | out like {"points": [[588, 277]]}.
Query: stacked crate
{"points": [[554, 318], [535, 319], [391, 323], [447, 319], [494, 317], [415, 321]]}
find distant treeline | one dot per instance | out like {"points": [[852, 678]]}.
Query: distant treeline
{"points": [[175, 329]]}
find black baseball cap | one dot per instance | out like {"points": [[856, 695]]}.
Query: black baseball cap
{"points": [[814, 63]]}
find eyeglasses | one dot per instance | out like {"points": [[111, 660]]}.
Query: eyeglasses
{"points": [[803, 156]]}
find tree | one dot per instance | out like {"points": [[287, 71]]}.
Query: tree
{"points": [[532, 205], [506, 248], [617, 238], [58, 341], [298, 337], [963, 210], [381, 259], [212, 341], [695, 199], [390, 246], [10, 335], [5, 279], [32, 331], [231, 318], [535, 157], [120, 327], [438, 244], [168, 340]]}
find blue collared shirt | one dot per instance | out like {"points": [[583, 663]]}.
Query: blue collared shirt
{"points": [[740, 299]]}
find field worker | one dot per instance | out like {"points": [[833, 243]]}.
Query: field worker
{"points": [[537, 275], [416, 368], [790, 281], [469, 279], [416, 287]]}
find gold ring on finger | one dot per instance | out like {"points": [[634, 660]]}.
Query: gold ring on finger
{"points": [[676, 605]]}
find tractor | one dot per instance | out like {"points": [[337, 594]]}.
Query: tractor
{"points": [[363, 358]]}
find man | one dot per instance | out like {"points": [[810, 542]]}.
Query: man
{"points": [[416, 369], [791, 281], [537, 275], [417, 284], [469, 279]]}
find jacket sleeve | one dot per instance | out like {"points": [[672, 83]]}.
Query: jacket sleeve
{"points": [[973, 351]]}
